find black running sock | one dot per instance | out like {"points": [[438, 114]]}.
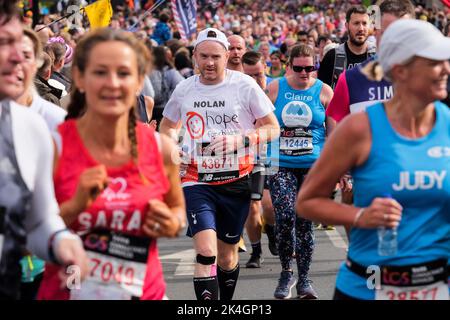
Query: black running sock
{"points": [[206, 288], [256, 249], [227, 282]]}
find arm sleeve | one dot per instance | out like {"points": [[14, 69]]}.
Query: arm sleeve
{"points": [[340, 103], [325, 73], [43, 219]]}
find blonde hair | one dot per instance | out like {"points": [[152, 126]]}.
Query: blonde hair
{"points": [[373, 71]]}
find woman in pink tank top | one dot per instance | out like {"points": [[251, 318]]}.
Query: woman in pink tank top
{"points": [[116, 180]]}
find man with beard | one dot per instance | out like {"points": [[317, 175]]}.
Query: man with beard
{"points": [[237, 49], [357, 88], [351, 53]]}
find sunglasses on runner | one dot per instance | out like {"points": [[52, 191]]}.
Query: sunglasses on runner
{"points": [[308, 69]]}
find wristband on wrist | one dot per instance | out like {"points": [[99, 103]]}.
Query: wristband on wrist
{"points": [[358, 216], [51, 242], [54, 240]]}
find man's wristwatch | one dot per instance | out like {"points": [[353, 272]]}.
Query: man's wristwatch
{"points": [[246, 141]]}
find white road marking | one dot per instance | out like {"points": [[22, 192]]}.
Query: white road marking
{"points": [[185, 266], [336, 238]]}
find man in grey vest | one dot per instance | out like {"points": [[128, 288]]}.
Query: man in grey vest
{"points": [[28, 208], [351, 53]]}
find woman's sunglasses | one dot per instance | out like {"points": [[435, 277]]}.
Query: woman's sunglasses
{"points": [[308, 69]]}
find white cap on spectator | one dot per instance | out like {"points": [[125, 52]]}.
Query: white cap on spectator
{"points": [[212, 34], [407, 38]]}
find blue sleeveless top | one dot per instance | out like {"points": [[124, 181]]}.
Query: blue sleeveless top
{"points": [[301, 116], [416, 172]]}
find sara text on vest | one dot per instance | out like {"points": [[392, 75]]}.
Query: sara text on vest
{"points": [[117, 221]]}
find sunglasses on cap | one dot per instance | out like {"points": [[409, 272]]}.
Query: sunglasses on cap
{"points": [[308, 69]]}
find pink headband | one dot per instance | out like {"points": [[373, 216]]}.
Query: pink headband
{"points": [[56, 39], [69, 49], [69, 54]]}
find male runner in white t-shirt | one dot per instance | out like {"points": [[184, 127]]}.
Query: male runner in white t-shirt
{"points": [[217, 110]]}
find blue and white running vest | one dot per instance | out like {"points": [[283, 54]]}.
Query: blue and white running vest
{"points": [[416, 173], [301, 116]]}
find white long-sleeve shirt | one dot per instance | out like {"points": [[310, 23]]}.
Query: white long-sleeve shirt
{"points": [[34, 152]]}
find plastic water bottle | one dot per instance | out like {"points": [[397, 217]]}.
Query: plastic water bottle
{"points": [[387, 239], [184, 161]]}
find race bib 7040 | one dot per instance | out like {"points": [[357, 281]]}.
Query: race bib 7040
{"points": [[118, 265]]}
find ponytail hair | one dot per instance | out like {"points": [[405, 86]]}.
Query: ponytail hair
{"points": [[373, 71]]}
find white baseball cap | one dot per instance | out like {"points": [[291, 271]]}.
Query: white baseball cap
{"points": [[212, 34], [406, 38]]}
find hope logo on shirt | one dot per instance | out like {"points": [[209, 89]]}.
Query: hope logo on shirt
{"points": [[195, 125]]}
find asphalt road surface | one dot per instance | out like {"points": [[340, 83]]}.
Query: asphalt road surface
{"points": [[177, 257]]}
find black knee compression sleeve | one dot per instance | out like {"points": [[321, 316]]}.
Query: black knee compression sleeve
{"points": [[206, 261]]}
